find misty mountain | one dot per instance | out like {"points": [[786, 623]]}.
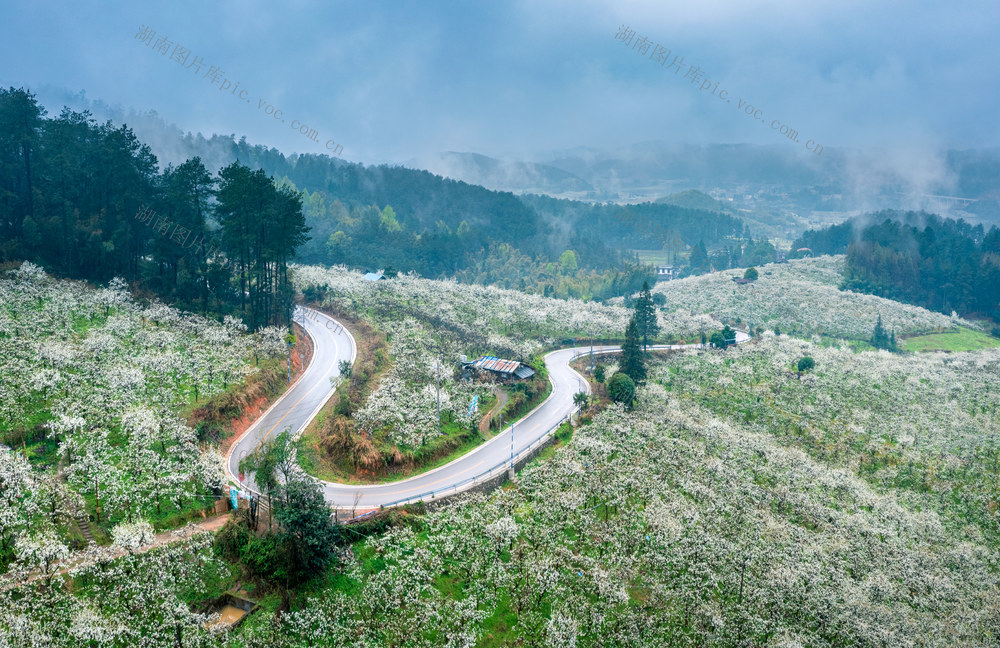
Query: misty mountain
{"points": [[694, 199], [502, 175], [948, 182]]}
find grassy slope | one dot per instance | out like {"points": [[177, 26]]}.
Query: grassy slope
{"points": [[963, 339]]}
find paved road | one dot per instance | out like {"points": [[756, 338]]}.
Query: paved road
{"points": [[304, 399], [332, 343]]}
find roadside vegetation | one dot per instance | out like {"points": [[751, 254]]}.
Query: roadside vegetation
{"points": [[780, 492]]}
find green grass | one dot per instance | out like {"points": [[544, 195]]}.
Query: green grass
{"points": [[962, 339], [658, 256], [563, 435]]}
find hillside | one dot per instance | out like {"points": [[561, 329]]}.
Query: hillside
{"points": [[96, 389], [393, 423], [919, 258], [324, 210], [735, 505], [800, 297], [503, 175]]}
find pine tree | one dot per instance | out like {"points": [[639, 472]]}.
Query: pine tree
{"points": [[699, 263], [632, 363], [880, 338], [645, 316]]}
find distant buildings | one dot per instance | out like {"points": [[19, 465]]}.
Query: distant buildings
{"points": [[665, 272]]}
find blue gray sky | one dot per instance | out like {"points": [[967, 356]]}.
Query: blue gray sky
{"points": [[391, 81]]}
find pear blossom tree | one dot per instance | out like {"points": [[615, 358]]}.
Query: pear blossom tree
{"points": [[104, 377]]}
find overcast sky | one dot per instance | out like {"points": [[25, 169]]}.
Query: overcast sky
{"points": [[390, 81]]}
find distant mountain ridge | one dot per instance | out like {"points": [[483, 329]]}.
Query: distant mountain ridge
{"points": [[694, 199], [504, 175]]}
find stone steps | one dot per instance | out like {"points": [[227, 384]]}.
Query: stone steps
{"points": [[81, 519]]}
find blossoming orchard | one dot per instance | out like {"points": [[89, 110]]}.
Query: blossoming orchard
{"points": [[743, 498]]}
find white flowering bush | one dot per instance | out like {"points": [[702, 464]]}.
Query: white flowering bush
{"points": [[145, 599], [104, 378], [405, 401], [800, 297], [132, 536], [508, 322], [924, 425]]}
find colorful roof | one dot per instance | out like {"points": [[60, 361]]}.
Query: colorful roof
{"points": [[499, 365]]}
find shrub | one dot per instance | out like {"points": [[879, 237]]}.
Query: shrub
{"points": [[751, 274], [724, 338], [599, 373], [806, 363], [621, 388]]}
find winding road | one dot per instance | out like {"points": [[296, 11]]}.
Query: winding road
{"points": [[304, 399]]}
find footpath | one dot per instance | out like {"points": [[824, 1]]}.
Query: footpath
{"points": [[96, 553]]}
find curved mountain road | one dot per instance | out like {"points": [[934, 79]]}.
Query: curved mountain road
{"points": [[332, 343]]}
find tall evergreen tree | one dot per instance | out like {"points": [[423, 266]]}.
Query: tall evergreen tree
{"points": [[187, 190], [699, 263], [645, 316], [880, 337], [20, 132], [261, 228], [632, 362]]}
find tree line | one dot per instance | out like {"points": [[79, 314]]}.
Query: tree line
{"points": [[940, 264], [88, 201], [446, 228]]}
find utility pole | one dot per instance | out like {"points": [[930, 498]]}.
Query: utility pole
{"points": [[512, 450]]}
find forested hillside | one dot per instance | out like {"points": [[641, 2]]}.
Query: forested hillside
{"points": [[940, 264], [368, 217], [88, 201], [393, 217]]}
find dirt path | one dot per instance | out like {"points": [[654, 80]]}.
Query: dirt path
{"points": [[484, 425], [95, 553]]}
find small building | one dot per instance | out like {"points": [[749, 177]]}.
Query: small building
{"points": [[742, 281], [665, 272], [504, 368], [374, 276]]}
